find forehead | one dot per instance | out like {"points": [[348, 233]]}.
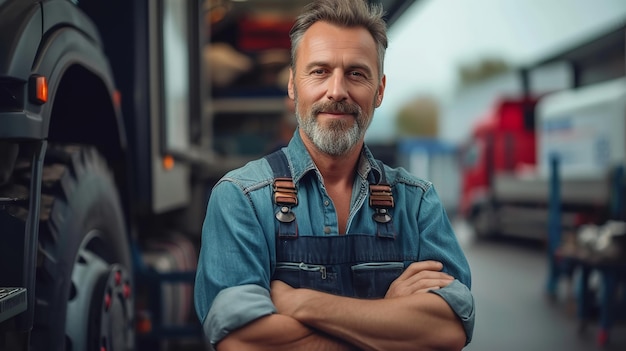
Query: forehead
{"points": [[325, 42]]}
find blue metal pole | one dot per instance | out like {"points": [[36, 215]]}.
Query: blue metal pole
{"points": [[617, 205], [609, 273], [554, 224]]}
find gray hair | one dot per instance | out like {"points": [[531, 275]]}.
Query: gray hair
{"points": [[344, 13]]}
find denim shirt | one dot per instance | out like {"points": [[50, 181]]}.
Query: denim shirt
{"points": [[238, 253]]}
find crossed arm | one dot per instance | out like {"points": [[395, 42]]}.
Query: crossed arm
{"points": [[408, 318]]}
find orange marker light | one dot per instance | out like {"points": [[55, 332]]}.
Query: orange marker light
{"points": [[168, 162], [117, 99], [38, 89], [42, 89], [143, 324]]}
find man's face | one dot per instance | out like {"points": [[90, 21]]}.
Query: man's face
{"points": [[336, 86]]}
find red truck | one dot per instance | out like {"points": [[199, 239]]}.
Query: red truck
{"points": [[556, 146], [509, 169], [503, 140]]}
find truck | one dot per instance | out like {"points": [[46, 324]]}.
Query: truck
{"points": [[108, 149], [502, 141], [563, 147]]}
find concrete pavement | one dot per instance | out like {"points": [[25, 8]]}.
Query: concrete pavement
{"points": [[513, 312]]}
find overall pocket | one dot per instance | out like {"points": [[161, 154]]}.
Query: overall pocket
{"points": [[372, 279], [304, 275]]}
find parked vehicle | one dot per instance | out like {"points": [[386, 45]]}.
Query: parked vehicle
{"points": [[576, 133], [502, 142]]}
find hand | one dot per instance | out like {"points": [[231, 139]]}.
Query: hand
{"points": [[419, 277]]}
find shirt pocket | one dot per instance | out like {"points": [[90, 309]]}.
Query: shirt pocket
{"points": [[372, 279], [310, 276]]}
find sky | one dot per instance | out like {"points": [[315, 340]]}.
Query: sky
{"points": [[433, 37]]}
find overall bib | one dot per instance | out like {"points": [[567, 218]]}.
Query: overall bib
{"points": [[354, 265]]}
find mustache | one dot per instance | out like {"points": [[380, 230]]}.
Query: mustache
{"points": [[336, 107]]}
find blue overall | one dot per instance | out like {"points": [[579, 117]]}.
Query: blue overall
{"points": [[245, 245], [355, 265]]}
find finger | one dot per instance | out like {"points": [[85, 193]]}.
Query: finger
{"points": [[427, 275], [431, 281], [406, 288], [417, 267], [419, 276], [440, 285], [426, 283], [424, 291], [423, 288]]}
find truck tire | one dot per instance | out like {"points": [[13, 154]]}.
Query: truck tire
{"points": [[84, 298]]}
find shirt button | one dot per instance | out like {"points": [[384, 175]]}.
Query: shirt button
{"points": [[326, 202], [326, 230]]}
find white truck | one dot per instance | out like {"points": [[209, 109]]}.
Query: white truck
{"points": [[584, 130]]}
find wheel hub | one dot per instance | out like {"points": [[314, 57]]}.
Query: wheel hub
{"points": [[114, 310]]}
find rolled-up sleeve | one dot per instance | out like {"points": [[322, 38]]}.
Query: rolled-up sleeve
{"points": [[438, 242], [233, 276], [460, 299], [235, 307]]}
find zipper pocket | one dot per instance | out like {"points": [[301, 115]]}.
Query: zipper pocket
{"points": [[291, 266], [378, 265]]}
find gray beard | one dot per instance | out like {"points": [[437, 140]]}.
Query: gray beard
{"points": [[339, 137], [336, 139]]}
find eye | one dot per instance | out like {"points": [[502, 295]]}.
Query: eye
{"points": [[356, 74], [318, 72]]}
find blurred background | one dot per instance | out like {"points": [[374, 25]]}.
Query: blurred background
{"points": [[515, 110]]}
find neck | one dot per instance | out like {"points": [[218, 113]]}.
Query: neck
{"points": [[338, 173], [335, 169]]}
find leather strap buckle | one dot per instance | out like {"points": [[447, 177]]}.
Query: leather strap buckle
{"points": [[285, 193]]}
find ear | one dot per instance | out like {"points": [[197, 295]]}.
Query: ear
{"points": [[381, 91], [290, 91]]}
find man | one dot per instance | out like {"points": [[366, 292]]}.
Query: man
{"points": [[321, 247]]}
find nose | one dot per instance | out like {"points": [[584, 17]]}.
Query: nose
{"points": [[337, 87]]}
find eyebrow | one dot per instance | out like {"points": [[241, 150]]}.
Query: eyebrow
{"points": [[351, 67]]}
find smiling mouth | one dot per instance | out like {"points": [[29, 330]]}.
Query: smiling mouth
{"points": [[336, 113], [337, 109]]}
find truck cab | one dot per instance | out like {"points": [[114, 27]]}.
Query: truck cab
{"points": [[502, 141]]}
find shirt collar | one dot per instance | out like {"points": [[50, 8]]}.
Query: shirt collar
{"points": [[300, 161]]}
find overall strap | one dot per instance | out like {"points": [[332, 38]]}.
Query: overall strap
{"points": [[285, 195], [381, 200]]}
